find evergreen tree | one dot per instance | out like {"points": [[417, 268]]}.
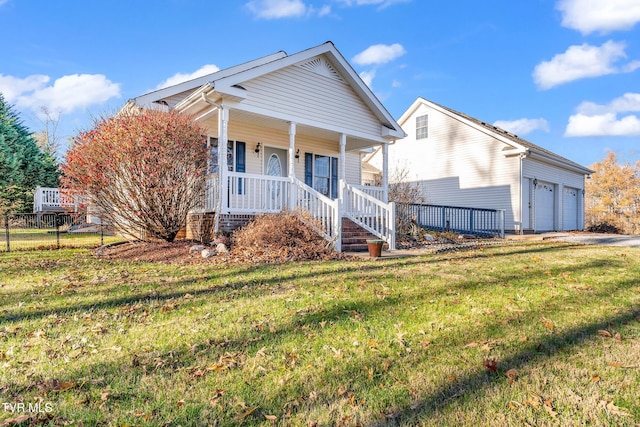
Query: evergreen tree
{"points": [[23, 166]]}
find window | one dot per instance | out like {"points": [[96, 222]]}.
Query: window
{"points": [[422, 127], [321, 173], [236, 155], [236, 159]]}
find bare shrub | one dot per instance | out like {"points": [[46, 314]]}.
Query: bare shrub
{"points": [[282, 237], [402, 191]]}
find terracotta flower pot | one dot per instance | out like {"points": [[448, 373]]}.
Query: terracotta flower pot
{"points": [[375, 248]]}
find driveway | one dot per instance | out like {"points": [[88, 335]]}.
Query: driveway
{"points": [[595, 239]]}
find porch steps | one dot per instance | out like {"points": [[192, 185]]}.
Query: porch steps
{"points": [[354, 237]]}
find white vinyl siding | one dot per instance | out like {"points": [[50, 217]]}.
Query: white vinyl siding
{"points": [[460, 166], [307, 96], [252, 134]]}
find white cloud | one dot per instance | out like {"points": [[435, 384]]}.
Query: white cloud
{"points": [[593, 119], [183, 77], [367, 77], [324, 10], [379, 54], [523, 126], [11, 87], [625, 103], [604, 16], [602, 125], [65, 95], [580, 62], [275, 9]]}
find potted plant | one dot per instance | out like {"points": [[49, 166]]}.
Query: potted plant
{"points": [[375, 247]]}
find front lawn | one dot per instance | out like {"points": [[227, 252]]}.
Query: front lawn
{"points": [[531, 333]]}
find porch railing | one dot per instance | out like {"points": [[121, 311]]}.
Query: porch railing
{"points": [[370, 213], [321, 208], [251, 193], [46, 199], [376, 192], [488, 222]]}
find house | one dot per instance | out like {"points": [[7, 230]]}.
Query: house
{"points": [[457, 160], [288, 132]]}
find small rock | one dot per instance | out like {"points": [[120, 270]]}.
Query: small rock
{"points": [[222, 248], [429, 238], [466, 237], [208, 253], [196, 248], [220, 239]]}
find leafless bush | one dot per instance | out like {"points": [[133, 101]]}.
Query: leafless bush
{"points": [[282, 237]]}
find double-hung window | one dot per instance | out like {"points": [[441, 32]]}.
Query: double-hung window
{"points": [[321, 173], [422, 127], [236, 159]]}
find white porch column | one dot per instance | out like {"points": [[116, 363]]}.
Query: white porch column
{"points": [[385, 172], [343, 158], [292, 170], [223, 128]]}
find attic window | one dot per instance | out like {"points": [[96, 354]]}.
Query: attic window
{"points": [[422, 127]]}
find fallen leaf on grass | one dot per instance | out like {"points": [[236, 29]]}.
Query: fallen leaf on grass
{"points": [[549, 408], [61, 385], [595, 378], [604, 333], [245, 414], [17, 420], [612, 409], [271, 417], [548, 324], [491, 365], [511, 375]]}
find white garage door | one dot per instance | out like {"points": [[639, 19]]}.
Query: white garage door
{"points": [[544, 206], [570, 209]]}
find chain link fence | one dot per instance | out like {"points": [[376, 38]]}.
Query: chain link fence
{"points": [[52, 231]]}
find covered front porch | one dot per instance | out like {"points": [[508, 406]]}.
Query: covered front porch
{"points": [[253, 194], [274, 164]]}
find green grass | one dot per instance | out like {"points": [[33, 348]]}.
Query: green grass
{"points": [[34, 238], [386, 342]]}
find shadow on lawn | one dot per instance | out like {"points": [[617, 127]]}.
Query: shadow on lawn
{"points": [[543, 348], [191, 285]]}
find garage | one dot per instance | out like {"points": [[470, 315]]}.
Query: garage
{"points": [[570, 209], [544, 199]]}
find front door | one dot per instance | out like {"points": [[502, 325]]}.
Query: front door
{"points": [[275, 164]]}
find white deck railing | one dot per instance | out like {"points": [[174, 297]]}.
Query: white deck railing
{"points": [[370, 213], [46, 199]]}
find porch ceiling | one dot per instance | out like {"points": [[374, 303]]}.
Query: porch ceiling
{"points": [[353, 143]]}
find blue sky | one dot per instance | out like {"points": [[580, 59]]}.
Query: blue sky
{"points": [[563, 74]]}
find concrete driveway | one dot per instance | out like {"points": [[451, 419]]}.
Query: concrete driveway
{"points": [[593, 239]]}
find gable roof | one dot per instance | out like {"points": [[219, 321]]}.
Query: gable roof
{"points": [[227, 82], [157, 96], [516, 145]]}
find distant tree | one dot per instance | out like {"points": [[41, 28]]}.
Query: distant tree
{"points": [[613, 195], [23, 166], [48, 139], [143, 171]]}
